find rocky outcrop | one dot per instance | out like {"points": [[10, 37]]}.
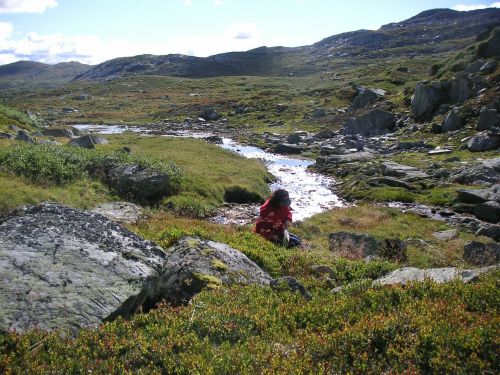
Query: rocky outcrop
{"points": [[483, 203], [366, 96], [139, 183], [481, 254], [121, 212], [58, 132], [439, 275], [487, 171], [359, 246], [287, 148], [425, 100], [375, 122], [453, 121], [194, 264], [407, 172], [488, 119], [66, 269], [484, 141], [23, 135], [88, 141]]}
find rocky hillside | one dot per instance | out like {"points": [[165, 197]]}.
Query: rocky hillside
{"points": [[430, 32]]}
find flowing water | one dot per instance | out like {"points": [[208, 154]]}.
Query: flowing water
{"points": [[310, 192]]}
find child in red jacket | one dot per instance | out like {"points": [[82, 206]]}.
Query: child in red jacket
{"points": [[275, 218]]}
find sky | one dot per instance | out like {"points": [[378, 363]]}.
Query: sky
{"points": [[93, 31]]}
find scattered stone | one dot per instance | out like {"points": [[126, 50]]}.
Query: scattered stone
{"points": [[453, 121], [366, 96], [23, 135], [375, 122], [281, 107], [407, 172], [214, 140], [210, 115], [291, 284], [436, 128], [481, 254], [488, 171], [446, 235], [318, 113], [476, 196], [425, 100], [489, 67], [121, 212], [359, 246], [139, 183], [408, 275], [296, 137], [286, 148], [488, 119], [491, 231], [88, 141], [68, 110], [484, 141], [58, 132], [6, 136], [325, 134], [488, 211], [83, 97], [440, 151]]}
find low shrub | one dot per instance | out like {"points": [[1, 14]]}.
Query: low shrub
{"points": [[190, 205]]}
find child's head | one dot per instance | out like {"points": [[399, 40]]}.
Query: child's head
{"points": [[280, 198]]}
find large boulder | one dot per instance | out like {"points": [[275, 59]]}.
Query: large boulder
{"points": [[426, 99], [409, 173], [139, 183], [486, 171], [408, 275], [210, 114], [194, 264], [359, 246], [488, 119], [366, 96], [287, 148], [88, 141], [484, 141], [62, 268], [460, 89], [481, 254], [477, 196], [58, 132], [23, 135], [453, 121], [488, 211], [375, 122], [66, 269]]}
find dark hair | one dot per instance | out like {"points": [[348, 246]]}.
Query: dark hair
{"points": [[279, 198]]}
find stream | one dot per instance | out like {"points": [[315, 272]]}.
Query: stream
{"points": [[310, 192]]}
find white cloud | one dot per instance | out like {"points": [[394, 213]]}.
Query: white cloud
{"points": [[466, 8], [6, 29], [26, 6], [90, 49]]}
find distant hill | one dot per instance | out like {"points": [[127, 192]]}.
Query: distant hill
{"points": [[430, 32], [30, 73]]}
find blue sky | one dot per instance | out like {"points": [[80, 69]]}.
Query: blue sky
{"points": [[92, 31]]}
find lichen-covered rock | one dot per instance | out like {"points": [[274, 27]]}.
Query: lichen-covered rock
{"points": [[122, 212], [62, 268], [486, 171], [359, 246], [481, 254], [439, 275], [194, 264], [375, 122], [425, 100], [88, 141], [453, 121]]}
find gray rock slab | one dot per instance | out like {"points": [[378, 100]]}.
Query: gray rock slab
{"points": [[62, 268], [122, 212]]}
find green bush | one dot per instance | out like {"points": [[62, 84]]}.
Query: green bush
{"points": [[191, 205]]}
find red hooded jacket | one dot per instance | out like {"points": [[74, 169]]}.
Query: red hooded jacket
{"points": [[271, 222]]}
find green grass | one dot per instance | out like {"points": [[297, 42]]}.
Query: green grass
{"points": [[13, 116], [83, 193], [209, 170]]}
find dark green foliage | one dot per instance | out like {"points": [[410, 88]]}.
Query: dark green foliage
{"points": [[59, 165]]}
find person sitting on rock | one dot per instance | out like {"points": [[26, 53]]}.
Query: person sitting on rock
{"points": [[275, 219]]}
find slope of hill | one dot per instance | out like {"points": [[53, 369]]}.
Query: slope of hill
{"points": [[23, 74], [430, 32]]}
